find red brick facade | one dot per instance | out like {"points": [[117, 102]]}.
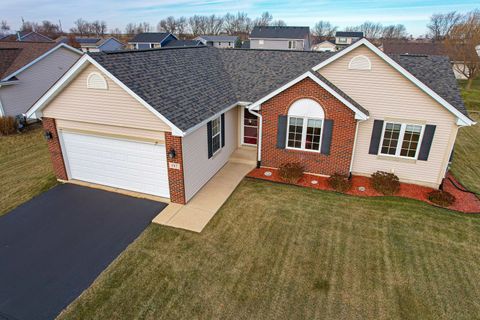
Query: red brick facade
{"points": [[343, 135], [55, 149], [175, 176]]}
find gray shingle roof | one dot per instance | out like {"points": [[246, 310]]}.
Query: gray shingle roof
{"points": [[183, 43], [435, 72], [280, 32], [354, 34], [150, 37], [219, 38], [191, 84]]}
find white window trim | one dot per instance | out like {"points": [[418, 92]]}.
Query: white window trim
{"points": [[400, 140], [292, 44], [304, 133], [261, 42], [218, 134]]}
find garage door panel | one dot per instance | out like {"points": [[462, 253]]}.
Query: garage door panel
{"points": [[125, 164]]}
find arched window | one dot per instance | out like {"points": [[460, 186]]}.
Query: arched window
{"points": [[360, 63], [305, 123], [96, 81]]}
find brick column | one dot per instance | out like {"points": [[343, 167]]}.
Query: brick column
{"points": [[55, 149], [175, 176]]}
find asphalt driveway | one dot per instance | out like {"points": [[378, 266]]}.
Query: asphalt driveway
{"points": [[54, 246]]}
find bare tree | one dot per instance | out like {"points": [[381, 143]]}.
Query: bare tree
{"points": [[324, 29], [168, 25], [441, 24], [264, 20], [394, 32], [461, 43], [237, 24], [98, 28], [278, 23], [371, 30], [28, 26], [81, 27], [116, 32], [214, 24], [49, 29], [196, 25], [4, 27]]}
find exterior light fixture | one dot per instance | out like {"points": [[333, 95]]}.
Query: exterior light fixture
{"points": [[172, 154], [47, 135]]}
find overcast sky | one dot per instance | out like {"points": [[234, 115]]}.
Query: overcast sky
{"points": [[117, 13]]}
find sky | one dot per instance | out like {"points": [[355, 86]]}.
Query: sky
{"points": [[117, 13]]}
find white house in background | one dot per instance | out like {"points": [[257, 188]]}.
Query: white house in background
{"points": [[100, 44], [280, 38], [218, 41], [325, 46], [150, 40], [28, 70], [346, 38]]}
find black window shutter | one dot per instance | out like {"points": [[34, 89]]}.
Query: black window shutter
{"points": [[223, 129], [209, 137], [426, 142], [327, 136], [376, 136], [281, 132]]}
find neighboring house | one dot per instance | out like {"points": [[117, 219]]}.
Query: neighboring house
{"points": [[119, 119], [280, 38], [99, 44], [345, 38], [150, 40], [28, 70], [30, 36], [422, 48], [325, 46], [220, 41], [246, 44], [183, 43]]}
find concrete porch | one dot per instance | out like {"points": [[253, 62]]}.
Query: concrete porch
{"points": [[196, 214]]}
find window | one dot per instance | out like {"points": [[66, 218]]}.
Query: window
{"points": [[260, 42], [342, 40], [292, 44], [96, 81], [401, 140], [305, 123], [216, 129], [152, 45]]}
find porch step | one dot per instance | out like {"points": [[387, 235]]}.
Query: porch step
{"points": [[244, 155]]}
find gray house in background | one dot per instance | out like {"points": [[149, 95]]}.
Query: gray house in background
{"points": [[280, 38], [28, 70], [345, 38], [219, 41], [150, 40], [183, 43]]}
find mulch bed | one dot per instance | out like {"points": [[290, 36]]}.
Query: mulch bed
{"points": [[465, 202]]}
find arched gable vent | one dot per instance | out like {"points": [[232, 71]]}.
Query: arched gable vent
{"points": [[360, 63], [96, 81]]}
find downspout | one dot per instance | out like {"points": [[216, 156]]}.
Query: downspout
{"points": [[259, 143]]}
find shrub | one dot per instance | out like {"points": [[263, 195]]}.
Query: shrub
{"points": [[441, 198], [7, 125], [385, 183], [291, 172], [340, 182]]}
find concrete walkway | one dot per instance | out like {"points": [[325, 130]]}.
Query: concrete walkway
{"points": [[196, 214]]}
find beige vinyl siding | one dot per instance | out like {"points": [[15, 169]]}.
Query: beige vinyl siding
{"points": [[107, 130], [386, 94], [113, 106], [198, 169]]}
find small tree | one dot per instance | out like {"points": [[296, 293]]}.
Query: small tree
{"points": [[461, 43], [324, 29]]}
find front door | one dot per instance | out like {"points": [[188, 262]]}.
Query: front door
{"points": [[249, 128]]}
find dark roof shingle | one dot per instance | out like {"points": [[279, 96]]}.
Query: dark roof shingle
{"points": [[354, 34], [403, 47], [280, 32], [150, 37]]}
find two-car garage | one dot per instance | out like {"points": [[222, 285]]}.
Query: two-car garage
{"points": [[116, 162]]}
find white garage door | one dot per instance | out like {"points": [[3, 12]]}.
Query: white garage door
{"points": [[125, 164]]}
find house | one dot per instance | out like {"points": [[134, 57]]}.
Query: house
{"points": [[422, 48], [31, 36], [280, 38], [99, 44], [183, 43], [150, 40], [346, 38], [218, 41], [121, 120], [325, 46], [28, 70]]}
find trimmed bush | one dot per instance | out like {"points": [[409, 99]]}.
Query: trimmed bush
{"points": [[7, 125], [441, 198], [385, 183], [291, 172], [340, 182]]}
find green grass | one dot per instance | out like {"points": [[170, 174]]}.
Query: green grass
{"points": [[282, 252], [472, 96], [25, 168]]}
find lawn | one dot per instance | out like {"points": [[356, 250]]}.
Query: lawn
{"points": [[25, 168], [284, 252]]}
